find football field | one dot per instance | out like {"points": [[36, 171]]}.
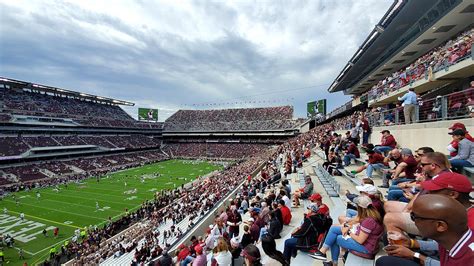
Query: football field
{"points": [[90, 202]]}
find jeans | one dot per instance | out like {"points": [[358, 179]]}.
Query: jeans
{"points": [[186, 261], [347, 158], [335, 242], [400, 180], [397, 195], [458, 163], [365, 137], [290, 248], [350, 213], [394, 261], [383, 149], [372, 167]]}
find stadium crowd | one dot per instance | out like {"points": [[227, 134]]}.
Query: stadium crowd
{"points": [[270, 118], [39, 105], [16, 145], [437, 59], [213, 150]]}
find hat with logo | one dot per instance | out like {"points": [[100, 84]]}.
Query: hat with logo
{"points": [[454, 181], [367, 188], [315, 196]]}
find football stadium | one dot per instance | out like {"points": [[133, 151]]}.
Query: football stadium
{"points": [[385, 178]]}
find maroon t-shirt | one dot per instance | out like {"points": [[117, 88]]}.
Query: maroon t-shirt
{"points": [[353, 149], [411, 167], [462, 253]]}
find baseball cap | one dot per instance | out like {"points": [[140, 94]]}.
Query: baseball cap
{"points": [[454, 181], [458, 125], [363, 201], [250, 220], [385, 131], [313, 207], [198, 249], [458, 132], [315, 196], [235, 242], [367, 188]]}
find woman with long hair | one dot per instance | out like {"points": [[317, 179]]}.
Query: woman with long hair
{"points": [[252, 255], [362, 234], [275, 257], [221, 254]]}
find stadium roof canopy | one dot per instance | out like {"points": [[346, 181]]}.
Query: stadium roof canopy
{"points": [[57, 91], [409, 29]]}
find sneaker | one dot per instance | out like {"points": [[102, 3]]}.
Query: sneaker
{"points": [[318, 255], [353, 172], [327, 263]]}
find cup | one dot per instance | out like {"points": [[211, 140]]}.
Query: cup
{"points": [[395, 238]]}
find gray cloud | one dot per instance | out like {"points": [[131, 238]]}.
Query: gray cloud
{"points": [[173, 55]]}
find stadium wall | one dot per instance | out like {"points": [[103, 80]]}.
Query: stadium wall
{"points": [[414, 136]]}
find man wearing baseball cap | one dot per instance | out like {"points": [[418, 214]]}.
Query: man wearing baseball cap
{"points": [[465, 151], [463, 127], [318, 199], [454, 185]]}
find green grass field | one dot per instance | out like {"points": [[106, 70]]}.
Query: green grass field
{"points": [[75, 206]]}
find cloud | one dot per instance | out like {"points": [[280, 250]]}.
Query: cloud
{"points": [[176, 54]]}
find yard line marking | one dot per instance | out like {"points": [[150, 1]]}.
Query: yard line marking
{"points": [[84, 206], [32, 254], [76, 197], [56, 210], [50, 221]]}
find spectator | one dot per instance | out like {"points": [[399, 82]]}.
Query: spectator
{"points": [[397, 217], [221, 254], [393, 156], [444, 220], [273, 256], [285, 212], [406, 168], [409, 103], [234, 219], [352, 153], [375, 162], [388, 142], [362, 238], [201, 258], [304, 192], [318, 199], [366, 130], [456, 186], [165, 259], [246, 237], [274, 226], [251, 256], [465, 153], [306, 235]]}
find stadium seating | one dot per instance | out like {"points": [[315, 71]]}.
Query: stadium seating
{"points": [[87, 113], [452, 52], [271, 118], [214, 150]]}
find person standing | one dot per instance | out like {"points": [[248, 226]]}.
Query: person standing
{"points": [[366, 130], [409, 102]]}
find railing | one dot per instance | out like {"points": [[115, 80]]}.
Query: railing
{"points": [[451, 106]]}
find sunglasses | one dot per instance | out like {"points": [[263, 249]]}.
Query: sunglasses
{"points": [[425, 164], [414, 217]]}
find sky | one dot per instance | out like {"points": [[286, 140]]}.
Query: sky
{"points": [[173, 55]]}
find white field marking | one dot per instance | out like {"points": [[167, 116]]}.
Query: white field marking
{"points": [[56, 210], [76, 197]]}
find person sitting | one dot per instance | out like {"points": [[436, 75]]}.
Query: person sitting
{"points": [[306, 235], [221, 254], [442, 219], [352, 152], [387, 143], [285, 212], [362, 237], [393, 156], [465, 152], [305, 192], [397, 217], [454, 144], [370, 191], [273, 256], [251, 255], [375, 162], [274, 226], [406, 168], [318, 199]]}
